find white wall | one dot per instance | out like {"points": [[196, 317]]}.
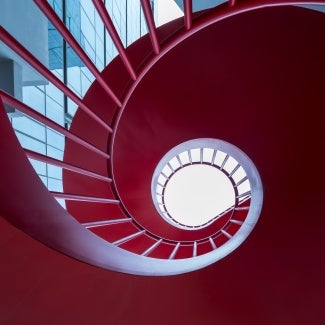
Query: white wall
{"points": [[23, 20]]}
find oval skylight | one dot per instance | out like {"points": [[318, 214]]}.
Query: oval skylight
{"points": [[200, 180], [197, 193]]}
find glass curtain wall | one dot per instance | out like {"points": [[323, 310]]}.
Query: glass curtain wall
{"points": [[85, 24]]}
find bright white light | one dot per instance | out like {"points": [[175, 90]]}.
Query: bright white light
{"points": [[199, 180], [167, 11], [197, 193]]}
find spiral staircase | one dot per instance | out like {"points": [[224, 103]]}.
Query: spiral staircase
{"points": [[151, 98]]}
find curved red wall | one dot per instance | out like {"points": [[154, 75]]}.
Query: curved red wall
{"points": [[264, 75]]}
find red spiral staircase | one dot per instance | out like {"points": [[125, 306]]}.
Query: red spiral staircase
{"points": [[259, 76], [191, 78]]}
